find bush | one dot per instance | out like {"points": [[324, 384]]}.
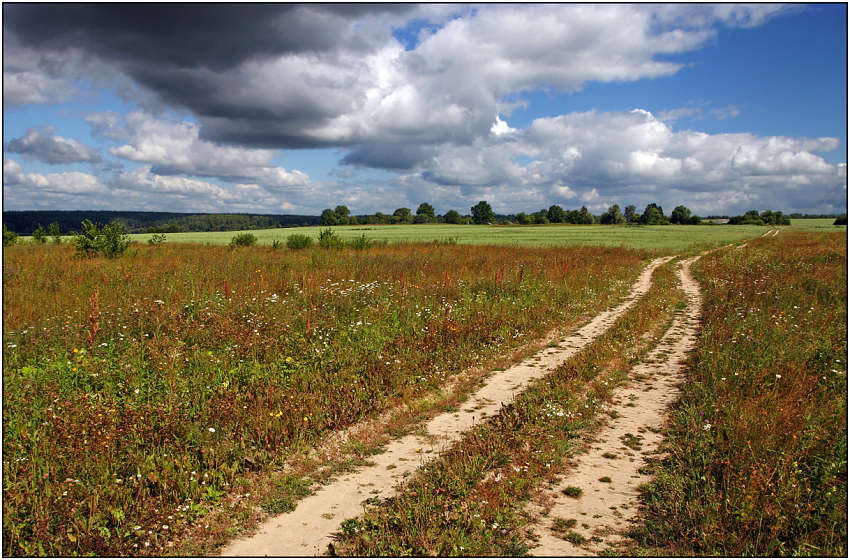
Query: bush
{"points": [[840, 221], [39, 235], [9, 237], [361, 242], [299, 241], [112, 240], [157, 239], [55, 232], [329, 240], [243, 240]]}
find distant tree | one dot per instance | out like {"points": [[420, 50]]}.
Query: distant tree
{"points": [[522, 218], [427, 211], [482, 213], [680, 215], [39, 235], [452, 217], [613, 216], [653, 215], [631, 214], [342, 214], [540, 217], [556, 214], [585, 217], [403, 215], [839, 221], [55, 232], [328, 218]]}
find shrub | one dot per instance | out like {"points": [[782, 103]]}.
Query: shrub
{"points": [[329, 240], [840, 220], [157, 239], [245, 239], [111, 240], [39, 235], [299, 241], [55, 232], [9, 237], [361, 242]]}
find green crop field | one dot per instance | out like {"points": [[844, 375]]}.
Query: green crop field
{"points": [[664, 238]]}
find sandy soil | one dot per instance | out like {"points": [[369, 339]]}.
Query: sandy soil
{"points": [[307, 530], [604, 510]]}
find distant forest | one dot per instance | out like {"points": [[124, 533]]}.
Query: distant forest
{"points": [[25, 222]]}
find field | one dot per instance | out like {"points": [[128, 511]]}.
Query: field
{"points": [[152, 401]]}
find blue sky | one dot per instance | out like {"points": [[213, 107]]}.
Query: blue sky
{"points": [[721, 108]]}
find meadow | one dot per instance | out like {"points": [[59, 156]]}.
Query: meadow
{"points": [[139, 390], [142, 392], [662, 238]]}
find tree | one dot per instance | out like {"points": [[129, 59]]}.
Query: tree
{"points": [[342, 213], [840, 220], [522, 218], [653, 215], [482, 213], [403, 215], [556, 214], [452, 217], [328, 218], [585, 217], [680, 215], [612, 216], [631, 214], [427, 211]]}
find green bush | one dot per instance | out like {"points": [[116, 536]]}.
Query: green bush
{"points": [[330, 240], [110, 241], [361, 242], [157, 239], [39, 235], [55, 232], [9, 237], [245, 239], [299, 241]]}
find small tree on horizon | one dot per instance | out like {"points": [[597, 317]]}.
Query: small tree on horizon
{"points": [[482, 213]]}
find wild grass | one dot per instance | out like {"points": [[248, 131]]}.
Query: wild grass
{"points": [[139, 391], [469, 501], [757, 462]]}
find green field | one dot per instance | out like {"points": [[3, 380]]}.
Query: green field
{"points": [[668, 238]]}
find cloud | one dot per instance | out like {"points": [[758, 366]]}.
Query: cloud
{"points": [[297, 76], [635, 157], [51, 190], [51, 149], [174, 147]]}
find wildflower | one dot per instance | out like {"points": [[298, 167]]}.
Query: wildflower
{"points": [[778, 376], [706, 426], [211, 430]]}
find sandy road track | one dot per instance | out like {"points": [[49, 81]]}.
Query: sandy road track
{"points": [[307, 530], [604, 509]]}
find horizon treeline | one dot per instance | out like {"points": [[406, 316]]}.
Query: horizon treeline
{"points": [[26, 222]]}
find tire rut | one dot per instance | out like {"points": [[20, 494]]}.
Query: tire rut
{"points": [[308, 529], [606, 507]]}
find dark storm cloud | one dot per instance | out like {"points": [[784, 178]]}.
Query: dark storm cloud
{"points": [[215, 36], [51, 149], [397, 157]]}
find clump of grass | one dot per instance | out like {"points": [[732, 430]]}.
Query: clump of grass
{"points": [[572, 491], [605, 479], [756, 459]]}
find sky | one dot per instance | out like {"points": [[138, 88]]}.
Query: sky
{"points": [[293, 108]]}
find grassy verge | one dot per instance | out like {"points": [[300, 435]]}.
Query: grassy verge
{"points": [[469, 501], [757, 449], [140, 392]]}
